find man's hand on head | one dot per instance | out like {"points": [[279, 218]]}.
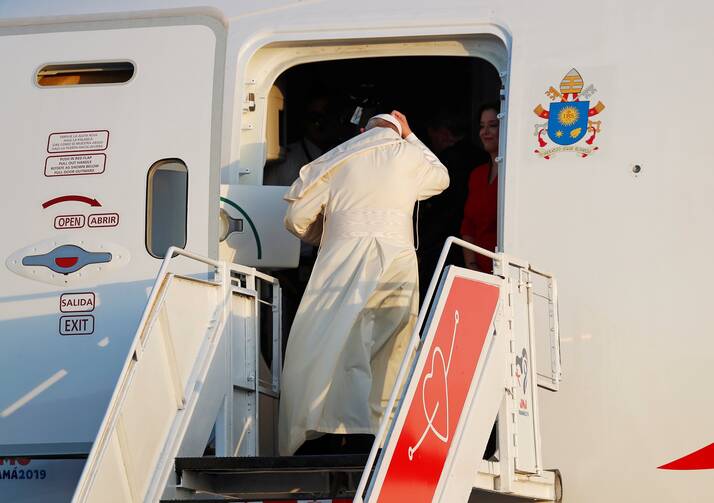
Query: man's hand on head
{"points": [[406, 130]]}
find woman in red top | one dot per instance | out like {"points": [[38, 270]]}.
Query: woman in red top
{"points": [[480, 212]]}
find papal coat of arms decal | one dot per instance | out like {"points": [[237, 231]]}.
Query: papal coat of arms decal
{"points": [[568, 119]]}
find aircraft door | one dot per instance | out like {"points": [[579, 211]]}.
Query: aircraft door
{"points": [[109, 158], [252, 211], [251, 229]]}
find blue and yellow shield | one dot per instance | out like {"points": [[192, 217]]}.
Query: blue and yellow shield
{"points": [[568, 121]]}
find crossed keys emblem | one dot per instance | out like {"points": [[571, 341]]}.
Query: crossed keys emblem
{"points": [[437, 357]]}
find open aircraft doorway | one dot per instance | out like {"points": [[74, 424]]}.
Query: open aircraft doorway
{"points": [[328, 102], [311, 107], [299, 110]]}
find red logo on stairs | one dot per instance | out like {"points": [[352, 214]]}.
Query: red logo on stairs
{"points": [[444, 379]]}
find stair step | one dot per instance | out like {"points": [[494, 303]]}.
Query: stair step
{"points": [[277, 463], [273, 478]]}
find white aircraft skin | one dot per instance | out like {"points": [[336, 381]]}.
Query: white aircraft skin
{"points": [[625, 229]]}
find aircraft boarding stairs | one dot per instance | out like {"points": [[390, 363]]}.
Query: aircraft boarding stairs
{"points": [[204, 370]]}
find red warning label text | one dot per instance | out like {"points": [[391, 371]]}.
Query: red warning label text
{"points": [[77, 302], [78, 141], [103, 220], [69, 221], [74, 165]]}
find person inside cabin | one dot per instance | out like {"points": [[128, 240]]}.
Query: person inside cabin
{"points": [[479, 225], [318, 135], [440, 216], [359, 308]]}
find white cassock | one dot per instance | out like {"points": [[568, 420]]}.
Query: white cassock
{"points": [[358, 311]]}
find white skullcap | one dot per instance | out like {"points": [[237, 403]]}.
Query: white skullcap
{"points": [[390, 119]]}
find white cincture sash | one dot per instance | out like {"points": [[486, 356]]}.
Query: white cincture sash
{"points": [[389, 224]]}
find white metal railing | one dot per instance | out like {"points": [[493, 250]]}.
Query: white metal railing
{"points": [[501, 263], [185, 335], [110, 459], [552, 381]]}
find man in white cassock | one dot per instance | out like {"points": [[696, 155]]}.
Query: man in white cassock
{"points": [[360, 305]]}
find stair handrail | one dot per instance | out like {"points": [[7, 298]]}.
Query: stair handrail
{"points": [[501, 261], [108, 423]]}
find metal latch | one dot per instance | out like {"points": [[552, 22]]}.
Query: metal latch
{"points": [[249, 103]]}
